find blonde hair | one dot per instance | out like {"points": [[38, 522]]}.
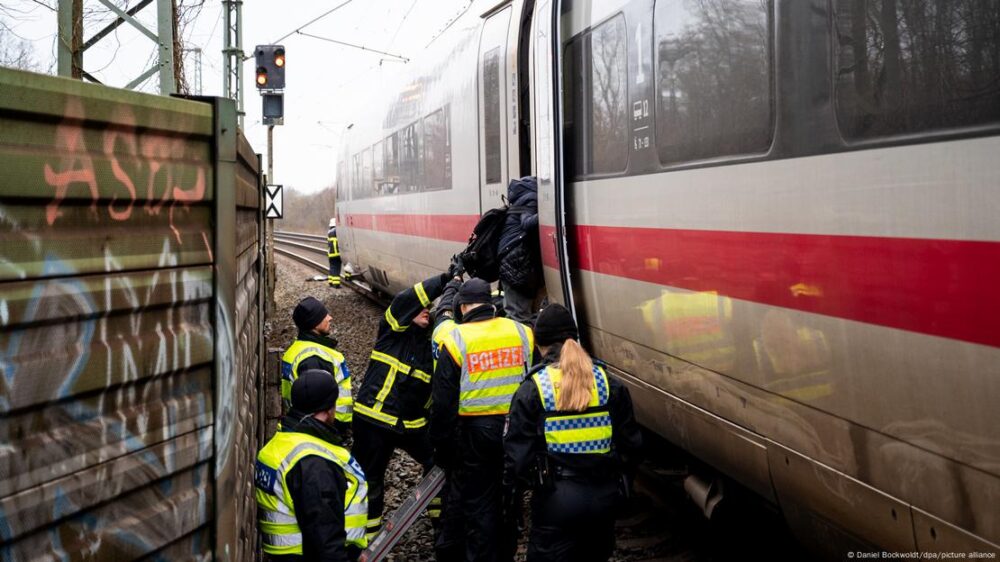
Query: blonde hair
{"points": [[577, 378]]}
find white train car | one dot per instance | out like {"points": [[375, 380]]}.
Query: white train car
{"points": [[775, 220]]}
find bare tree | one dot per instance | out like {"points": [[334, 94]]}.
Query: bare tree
{"points": [[16, 52]]}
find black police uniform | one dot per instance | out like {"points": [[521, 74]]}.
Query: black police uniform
{"points": [[390, 410], [572, 515], [470, 448]]}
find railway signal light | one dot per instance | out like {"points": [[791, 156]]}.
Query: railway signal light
{"points": [[270, 61]]}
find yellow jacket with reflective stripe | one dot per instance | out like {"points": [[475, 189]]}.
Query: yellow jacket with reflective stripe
{"points": [[301, 350], [587, 432], [494, 356], [278, 525]]}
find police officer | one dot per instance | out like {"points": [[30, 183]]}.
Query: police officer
{"points": [[333, 253], [314, 348], [571, 436], [481, 362], [391, 407], [311, 493]]}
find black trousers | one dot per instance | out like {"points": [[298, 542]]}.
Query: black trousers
{"points": [[333, 278], [481, 476], [373, 448], [574, 521]]}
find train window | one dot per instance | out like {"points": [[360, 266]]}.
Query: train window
{"points": [[356, 185], [608, 97], [378, 163], [391, 164], [595, 100], [437, 149], [906, 67], [491, 117], [713, 78], [366, 173], [410, 171]]}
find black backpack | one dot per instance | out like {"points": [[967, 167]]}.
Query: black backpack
{"points": [[480, 257]]}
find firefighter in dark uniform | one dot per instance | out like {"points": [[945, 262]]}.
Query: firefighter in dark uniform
{"points": [[311, 494], [573, 438], [391, 406], [333, 253], [481, 362], [314, 348]]}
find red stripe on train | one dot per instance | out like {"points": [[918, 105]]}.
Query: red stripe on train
{"points": [[454, 228], [948, 288]]}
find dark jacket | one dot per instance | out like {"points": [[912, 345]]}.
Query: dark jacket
{"points": [[316, 362], [409, 345], [317, 487], [524, 440], [518, 252], [522, 196], [444, 432]]}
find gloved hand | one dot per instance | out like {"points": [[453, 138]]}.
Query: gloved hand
{"points": [[456, 268]]}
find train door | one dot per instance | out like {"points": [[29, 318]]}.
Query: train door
{"points": [[547, 158], [493, 104]]}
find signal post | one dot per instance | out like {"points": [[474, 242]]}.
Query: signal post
{"points": [[270, 81]]}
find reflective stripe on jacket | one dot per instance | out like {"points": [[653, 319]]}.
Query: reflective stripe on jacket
{"points": [[301, 350], [494, 356], [278, 525], [577, 432], [333, 249], [396, 388]]}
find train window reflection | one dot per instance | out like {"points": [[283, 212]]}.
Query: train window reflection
{"points": [[409, 160], [378, 161], [595, 100], [906, 66], [491, 114], [608, 97], [437, 150], [713, 78], [366, 173]]}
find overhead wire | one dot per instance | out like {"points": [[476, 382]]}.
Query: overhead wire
{"points": [[352, 45]]}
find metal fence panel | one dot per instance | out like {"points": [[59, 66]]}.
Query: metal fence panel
{"points": [[119, 429]]}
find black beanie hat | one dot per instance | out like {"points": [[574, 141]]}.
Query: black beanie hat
{"points": [[474, 291], [314, 391], [555, 324], [308, 314]]}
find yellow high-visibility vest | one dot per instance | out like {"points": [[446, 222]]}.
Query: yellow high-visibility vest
{"points": [[298, 352], [577, 432], [494, 356], [278, 525]]}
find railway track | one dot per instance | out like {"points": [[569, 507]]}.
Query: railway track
{"points": [[307, 249], [311, 250]]}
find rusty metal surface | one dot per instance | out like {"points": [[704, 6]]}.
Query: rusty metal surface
{"points": [[120, 435]]}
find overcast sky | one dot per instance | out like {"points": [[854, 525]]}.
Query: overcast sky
{"points": [[321, 77]]}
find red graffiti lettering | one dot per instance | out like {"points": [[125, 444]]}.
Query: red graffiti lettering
{"points": [[76, 166], [156, 156]]}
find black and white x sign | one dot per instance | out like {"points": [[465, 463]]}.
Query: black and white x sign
{"points": [[273, 201]]}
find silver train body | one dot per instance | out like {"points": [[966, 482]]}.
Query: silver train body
{"points": [[778, 225]]}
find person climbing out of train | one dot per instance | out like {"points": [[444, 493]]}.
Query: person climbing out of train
{"points": [[315, 348], [311, 494], [573, 439], [392, 402], [333, 254], [480, 364], [520, 259]]}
